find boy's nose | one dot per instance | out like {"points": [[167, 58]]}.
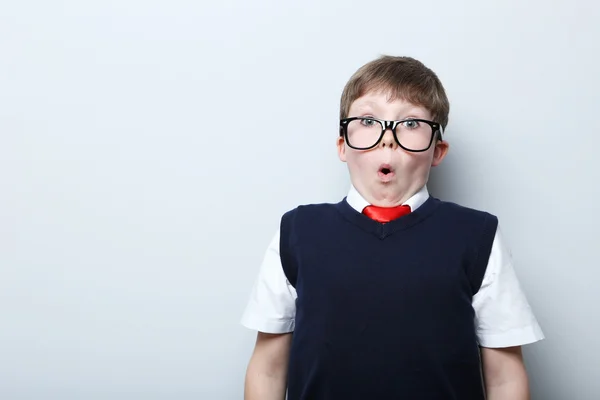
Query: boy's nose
{"points": [[388, 139]]}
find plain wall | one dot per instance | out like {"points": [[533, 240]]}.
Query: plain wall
{"points": [[148, 150]]}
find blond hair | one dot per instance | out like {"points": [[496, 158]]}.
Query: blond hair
{"points": [[404, 78]]}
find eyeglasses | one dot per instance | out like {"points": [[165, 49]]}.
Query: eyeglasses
{"points": [[413, 134]]}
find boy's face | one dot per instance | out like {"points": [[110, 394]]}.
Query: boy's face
{"points": [[408, 171]]}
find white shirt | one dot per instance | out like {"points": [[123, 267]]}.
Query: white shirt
{"points": [[503, 317]]}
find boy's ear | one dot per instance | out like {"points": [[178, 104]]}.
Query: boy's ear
{"points": [[439, 152], [341, 147]]}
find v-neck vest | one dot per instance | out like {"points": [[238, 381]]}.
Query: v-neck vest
{"points": [[385, 310]]}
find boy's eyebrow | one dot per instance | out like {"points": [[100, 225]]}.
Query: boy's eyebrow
{"points": [[367, 105], [410, 111], [414, 111]]}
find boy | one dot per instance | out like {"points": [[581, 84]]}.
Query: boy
{"points": [[390, 293]]}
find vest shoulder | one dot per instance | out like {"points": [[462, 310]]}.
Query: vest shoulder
{"points": [[312, 208], [312, 212], [459, 211]]}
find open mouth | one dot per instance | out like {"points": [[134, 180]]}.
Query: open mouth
{"points": [[385, 171]]}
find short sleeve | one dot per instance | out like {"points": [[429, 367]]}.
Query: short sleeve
{"points": [[503, 315], [272, 304]]}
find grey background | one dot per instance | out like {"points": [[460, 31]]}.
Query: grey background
{"points": [[148, 149]]}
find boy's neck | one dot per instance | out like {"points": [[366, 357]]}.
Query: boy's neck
{"points": [[414, 198]]}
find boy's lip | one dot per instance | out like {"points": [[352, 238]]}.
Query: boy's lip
{"points": [[387, 167], [385, 172]]}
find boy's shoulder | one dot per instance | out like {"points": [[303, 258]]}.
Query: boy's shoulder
{"points": [[312, 209], [459, 215], [460, 209], [449, 211]]}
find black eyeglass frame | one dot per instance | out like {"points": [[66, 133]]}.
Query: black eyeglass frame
{"points": [[436, 130]]}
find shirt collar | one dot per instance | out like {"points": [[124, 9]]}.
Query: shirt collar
{"points": [[358, 202]]}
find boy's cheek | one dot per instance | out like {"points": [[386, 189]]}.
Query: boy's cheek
{"points": [[358, 159]]}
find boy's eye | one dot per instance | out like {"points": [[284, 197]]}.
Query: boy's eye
{"points": [[410, 124], [368, 121]]}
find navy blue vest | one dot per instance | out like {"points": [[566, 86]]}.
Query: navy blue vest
{"points": [[384, 311]]}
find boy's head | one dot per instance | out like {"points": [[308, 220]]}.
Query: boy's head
{"points": [[387, 170]]}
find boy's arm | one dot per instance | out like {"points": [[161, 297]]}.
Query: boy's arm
{"points": [[504, 373], [505, 322], [271, 312], [266, 376]]}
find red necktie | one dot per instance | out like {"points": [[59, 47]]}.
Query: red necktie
{"points": [[386, 214]]}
